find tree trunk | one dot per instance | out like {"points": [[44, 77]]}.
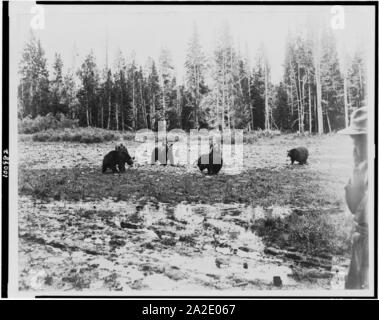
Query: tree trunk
{"points": [[317, 62], [178, 104], [217, 109], [102, 113], [315, 110], [302, 95], [197, 96], [291, 95], [121, 109], [297, 89], [309, 106], [143, 107], [133, 104], [328, 120], [223, 91], [122, 119], [163, 101], [109, 106], [250, 105], [267, 111], [152, 112], [116, 117], [300, 98], [87, 110], [345, 101], [320, 124], [360, 87]]}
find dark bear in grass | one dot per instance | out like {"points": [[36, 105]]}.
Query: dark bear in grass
{"points": [[299, 154], [212, 161], [163, 154], [116, 159]]}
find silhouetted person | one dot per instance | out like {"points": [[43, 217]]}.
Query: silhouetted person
{"points": [[356, 193]]}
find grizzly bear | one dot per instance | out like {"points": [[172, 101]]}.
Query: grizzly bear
{"points": [[116, 159], [163, 154], [212, 161], [299, 154]]}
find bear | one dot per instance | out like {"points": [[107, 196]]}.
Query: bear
{"points": [[299, 154], [212, 161], [163, 154], [116, 159]]}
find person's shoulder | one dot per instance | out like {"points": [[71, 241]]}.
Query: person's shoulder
{"points": [[363, 165], [363, 168]]}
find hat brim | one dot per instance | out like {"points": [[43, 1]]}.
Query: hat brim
{"points": [[352, 132]]}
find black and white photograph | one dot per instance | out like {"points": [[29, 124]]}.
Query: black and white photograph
{"points": [[214, 150]]}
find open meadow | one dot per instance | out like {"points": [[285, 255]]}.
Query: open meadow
{"points": [[172, 228]]}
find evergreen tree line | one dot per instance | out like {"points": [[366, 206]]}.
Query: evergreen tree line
{"points": [[221, 90]]}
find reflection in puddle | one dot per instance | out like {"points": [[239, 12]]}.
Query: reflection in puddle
{"points": [[139, 245], [197, 212]]}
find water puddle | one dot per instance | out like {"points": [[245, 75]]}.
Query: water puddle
{"points": [[129, 246]]}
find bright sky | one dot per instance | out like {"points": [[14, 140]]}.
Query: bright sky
{"points": [[146, 29]]}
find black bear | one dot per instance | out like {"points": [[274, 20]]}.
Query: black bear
{"points": [[116, 159], [212, 161], [299, 154], [163, 154]]}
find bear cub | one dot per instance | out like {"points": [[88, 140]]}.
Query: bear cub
{"points": [[116, 159], [299, 154]]}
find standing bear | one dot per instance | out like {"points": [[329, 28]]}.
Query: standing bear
{"points": [[299, 154], [212, 161], [163, 154], [116, 159]]}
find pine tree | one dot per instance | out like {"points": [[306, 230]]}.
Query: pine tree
{"points": [[57, 103], [243, 109], [195, 69], [69, 95], [281, 112], [33, 90], [257, 91], [332, 83], [154, 92], [132, 82], [225, 74], [89, 76], [141, 100], [121, 94], [261, 93], [299, 73], [357, 81], [318, 82], [166, 71]]}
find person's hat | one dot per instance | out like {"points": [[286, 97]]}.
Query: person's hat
{"points": [[358, 122]]}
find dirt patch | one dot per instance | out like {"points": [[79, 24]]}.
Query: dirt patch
{"points": [[86, 246]]}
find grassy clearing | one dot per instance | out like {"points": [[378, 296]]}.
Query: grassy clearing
{"points": [[262, 187], [317, 224], [71, 172]]}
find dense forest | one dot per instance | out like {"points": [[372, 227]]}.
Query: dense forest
{"points": [[221, 89]]}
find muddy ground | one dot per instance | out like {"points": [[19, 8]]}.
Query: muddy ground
{"points": [[173, 229]]}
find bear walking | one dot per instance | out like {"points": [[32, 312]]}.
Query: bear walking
{"points": [[299, 154], [116, 159]]}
